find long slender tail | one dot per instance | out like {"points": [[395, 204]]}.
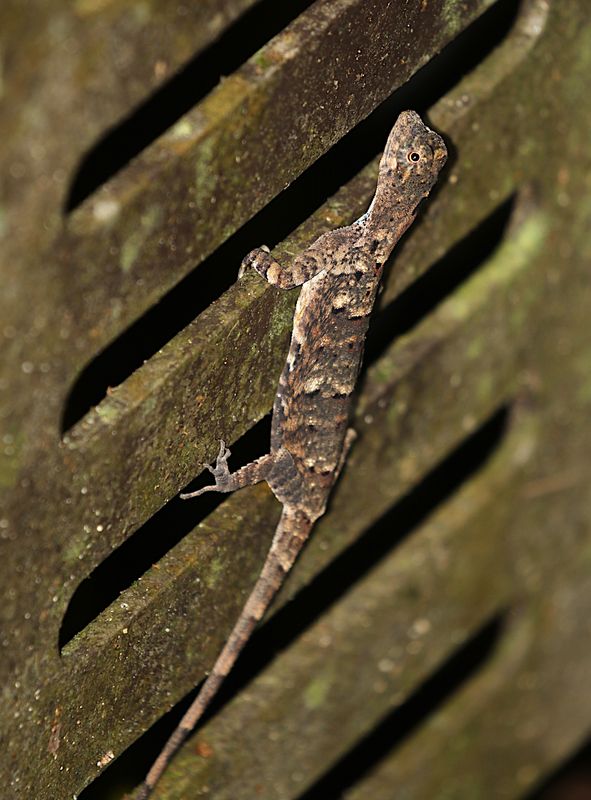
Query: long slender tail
{"points": [[292, 531]]}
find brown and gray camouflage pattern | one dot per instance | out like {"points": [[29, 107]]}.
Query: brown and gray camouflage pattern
{"points": [[340, 275]]}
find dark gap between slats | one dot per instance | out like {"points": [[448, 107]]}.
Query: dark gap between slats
{"points": [[317, 597], [150, 543], [438, 282], [286, 212], [177, 96], [463, 665]]}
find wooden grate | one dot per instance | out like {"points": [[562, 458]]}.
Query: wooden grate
{"points": [[430, 641]]}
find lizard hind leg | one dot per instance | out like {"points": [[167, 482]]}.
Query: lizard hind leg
{"points": [[226, 481]]}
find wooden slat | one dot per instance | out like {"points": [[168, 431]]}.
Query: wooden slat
{"points": [[82, 66]]}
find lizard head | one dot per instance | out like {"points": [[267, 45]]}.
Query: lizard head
{"points": [[412, 160]]}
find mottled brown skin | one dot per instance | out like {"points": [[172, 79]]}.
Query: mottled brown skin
{"points": [[340, 275]]}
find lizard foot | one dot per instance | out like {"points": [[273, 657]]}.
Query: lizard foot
{"points": [[258, 258], [220, 472]]}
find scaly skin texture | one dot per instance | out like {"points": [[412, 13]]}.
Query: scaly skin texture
{"points": [[340, 275]]}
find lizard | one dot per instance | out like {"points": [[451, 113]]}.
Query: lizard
{"points": [[310, 435]]}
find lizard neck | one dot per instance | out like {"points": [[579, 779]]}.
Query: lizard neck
{"points": [[388, 208], [385, 221]]}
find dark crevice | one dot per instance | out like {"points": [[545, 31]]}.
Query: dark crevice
{"points": [[285, 213], [177, 96], [321, 593], [406, 718], [151, 542], [439, 282]]}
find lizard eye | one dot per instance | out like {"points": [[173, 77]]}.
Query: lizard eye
{"points": [[414, 156]]}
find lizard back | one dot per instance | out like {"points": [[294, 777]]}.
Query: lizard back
{"points": [[313, 402]]}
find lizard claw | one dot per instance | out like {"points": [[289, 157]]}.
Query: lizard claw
{"points": [[224, 451], [224, 454]]}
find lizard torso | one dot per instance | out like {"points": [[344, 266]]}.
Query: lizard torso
{"points": [[312, 406]]}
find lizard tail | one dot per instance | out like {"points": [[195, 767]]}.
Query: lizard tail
{"points": [[292, 532]]}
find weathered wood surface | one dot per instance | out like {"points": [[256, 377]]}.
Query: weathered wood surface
{"points": [[514, 335]]}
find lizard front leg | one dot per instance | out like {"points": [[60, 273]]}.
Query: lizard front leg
{"points": [[301, 269], [323, 254]]}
